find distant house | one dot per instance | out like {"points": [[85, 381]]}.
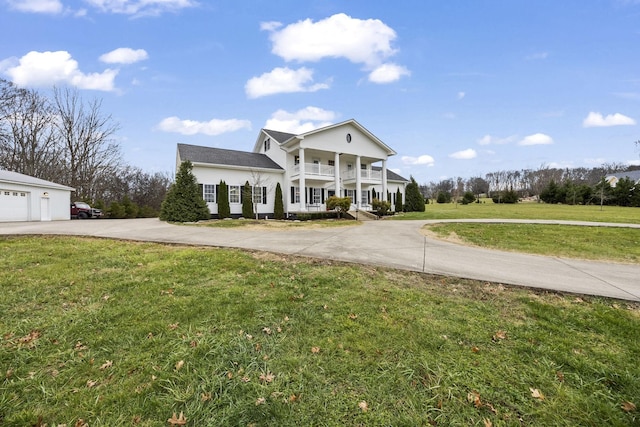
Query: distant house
{"points": [[25, 198], [615, 177], [344, 159]]}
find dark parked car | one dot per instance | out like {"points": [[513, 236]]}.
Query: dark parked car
{"points": [[81, 210]]}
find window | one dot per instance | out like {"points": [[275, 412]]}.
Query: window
{"points": [[316, 196], [296, 194], [331, 162], [352, 195], [267, 144], [257, 195], [296, 160], [234, 194], [209, 193], [364, 198], [363, 167]]}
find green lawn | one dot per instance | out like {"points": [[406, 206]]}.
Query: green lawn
{"points": [[595, 243], [528, 210], [118, 333]]}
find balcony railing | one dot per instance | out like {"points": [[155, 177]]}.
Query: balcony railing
{"points": [[366, 174], [315, 169]]}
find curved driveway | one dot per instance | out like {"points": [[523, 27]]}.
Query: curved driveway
{"points": [[397, 244]]}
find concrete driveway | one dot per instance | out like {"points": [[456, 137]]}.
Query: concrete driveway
{"points": [[397, 244]]}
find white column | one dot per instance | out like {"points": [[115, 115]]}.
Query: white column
{"points": [[358, 183], [302, 182], [336, 171], [384, 180]]}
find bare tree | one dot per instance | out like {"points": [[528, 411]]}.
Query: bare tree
{"points": [[86, 136], [28, 143]]}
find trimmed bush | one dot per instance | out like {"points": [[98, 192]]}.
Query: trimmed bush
{"points": [[399, 204], [224, 210], [381, 207], [415, 200], [247, 201], [278, 205], [339, 204], [184, 202]]}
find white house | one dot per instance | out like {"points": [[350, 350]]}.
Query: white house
{"points": [[615, 177], [343, 159], [25, 198]]}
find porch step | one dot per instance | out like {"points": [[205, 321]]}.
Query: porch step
{"points": [[363, 215]]}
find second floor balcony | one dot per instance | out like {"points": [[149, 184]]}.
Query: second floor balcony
{"points": [[316, 169], [365, 175]]}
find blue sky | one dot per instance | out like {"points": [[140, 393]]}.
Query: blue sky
{"points": [[457, 88]]}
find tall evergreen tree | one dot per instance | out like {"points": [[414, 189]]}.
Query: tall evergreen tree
{"points": [[247, 201], [398, 206], [224, 210], [184, 202], [278, 206], [414, 201]]}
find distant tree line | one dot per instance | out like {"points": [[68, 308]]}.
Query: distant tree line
{"points": [[545, 184], [70, 141]]}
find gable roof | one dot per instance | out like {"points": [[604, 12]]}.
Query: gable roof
{"points": [[632, 175], [279, 136], [358, 126], [220, 156], [19, 178]]}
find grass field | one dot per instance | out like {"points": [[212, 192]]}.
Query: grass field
{"points": [[594, 243], [528, 210], [107, 333]]}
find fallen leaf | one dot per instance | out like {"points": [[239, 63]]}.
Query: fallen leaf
{"points": [[499, 335], [173, 326], [315, 349], [267, 378], [261, 401], [205, 397], [179, 421], [293, 398], [628, 407], [474, 397], [106, 365], [536, 393], [353, 316], [266, 330], [363, 405], [91, 383], [560, 376], [81, 423], [179, 365], [245, 379], [487, 422], [475, 349]]}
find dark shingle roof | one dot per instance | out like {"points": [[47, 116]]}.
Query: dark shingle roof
{"points": [[220, 156], [632, 175], [279, 136], [391, 175]]}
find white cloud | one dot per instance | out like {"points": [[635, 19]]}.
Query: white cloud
{"points": [[301, 121], [424, 159], [388, 73], [213, 127], [270, 26], [536, 139], [283, 80], [124, 55], [598, 120], [37, 6], [361, 41], [50, 68], [461, 95], [536, 56], [488, 140], [467, 154], [141, 7]]}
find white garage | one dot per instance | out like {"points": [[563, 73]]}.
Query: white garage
{"points": [[25, 198]]}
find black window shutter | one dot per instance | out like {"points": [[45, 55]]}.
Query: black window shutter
{"points": [[323, 195], [264, 195], [201, 190], [217, 192], [293, 194]]}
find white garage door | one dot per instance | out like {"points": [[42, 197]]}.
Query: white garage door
{"points": [[14, 205]]}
